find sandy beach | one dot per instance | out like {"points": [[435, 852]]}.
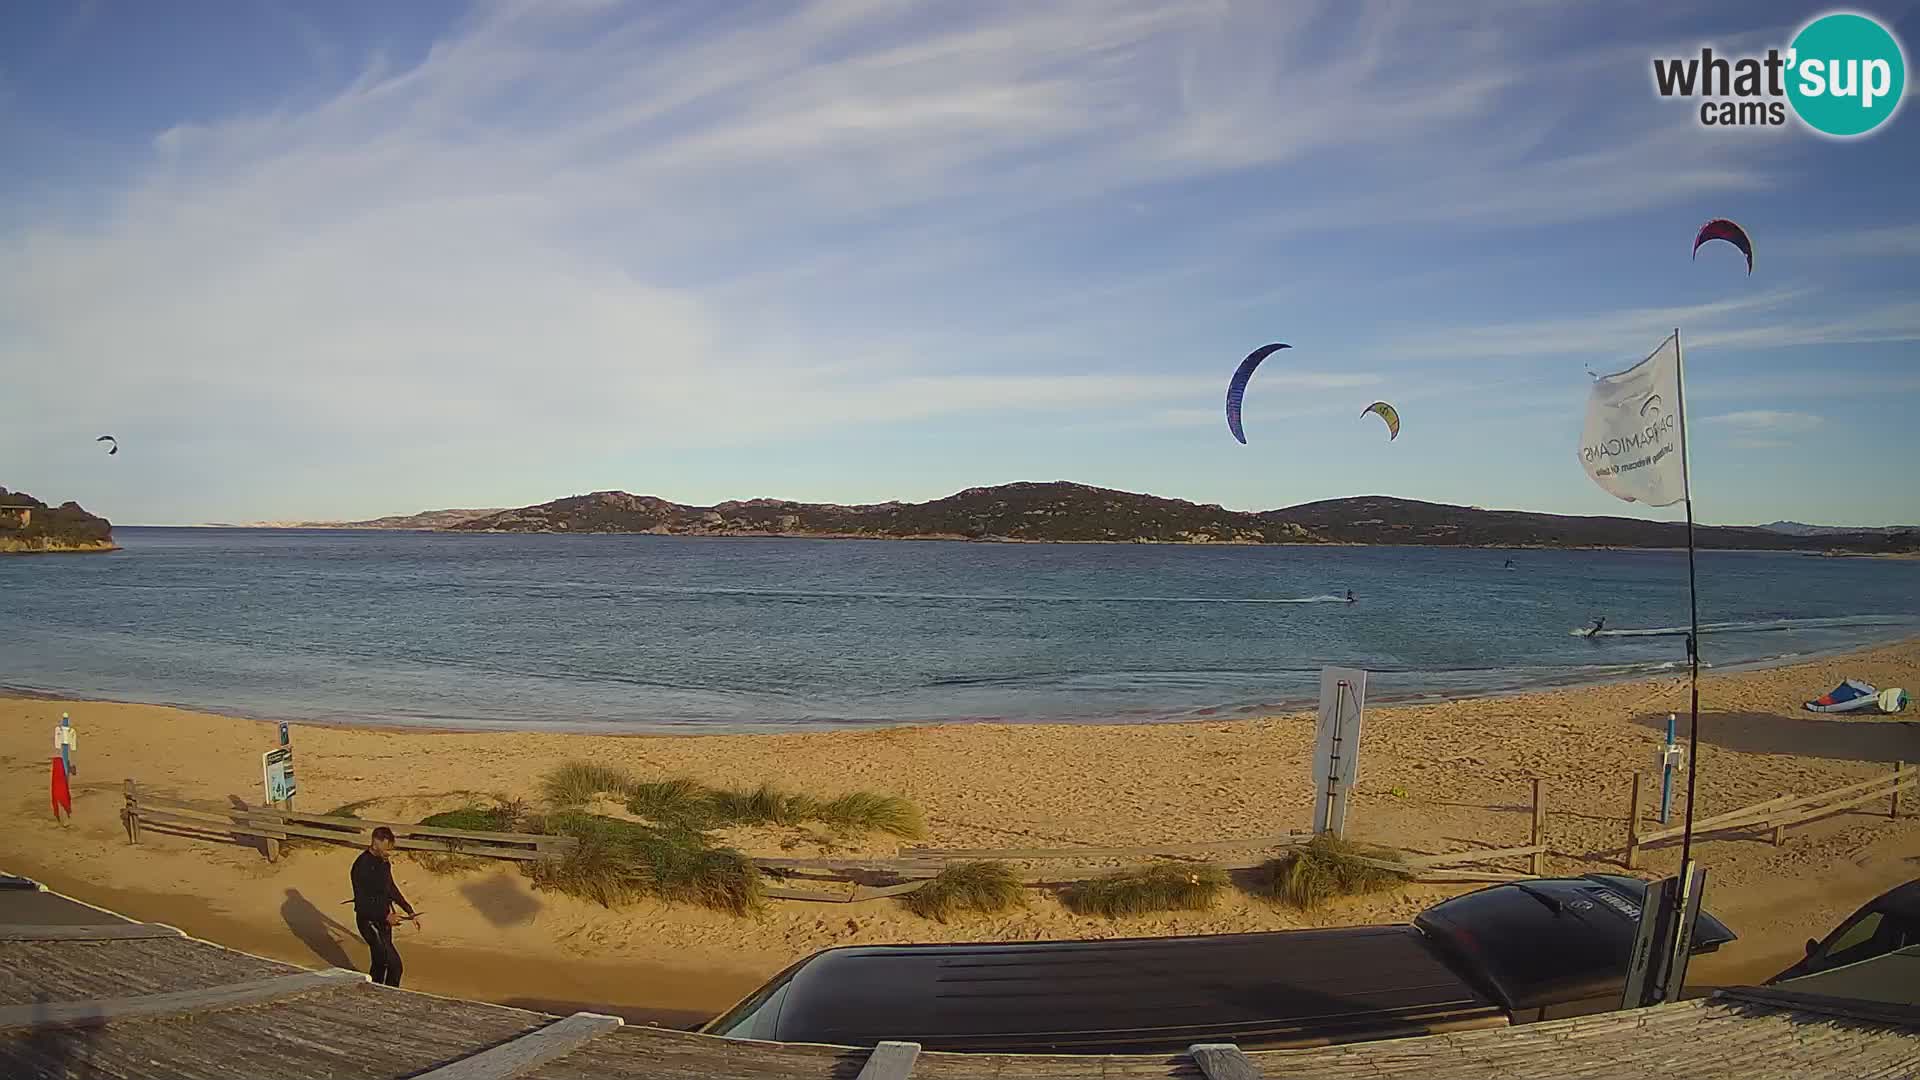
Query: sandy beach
{"points": [[1439, 777]]}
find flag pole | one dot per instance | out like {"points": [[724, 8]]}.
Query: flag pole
{"points": [[1693, 605]]}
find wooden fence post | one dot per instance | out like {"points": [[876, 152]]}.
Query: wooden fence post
{"points": [[132, 812], [1539, 828], [1633, 826], [1899, 775], [272, 843]]}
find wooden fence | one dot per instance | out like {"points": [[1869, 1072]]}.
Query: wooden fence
{"points": [[864, 878], [272, 825], [875, 878], [1776, 814]]}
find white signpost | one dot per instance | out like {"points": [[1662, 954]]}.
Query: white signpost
{"points": [[276, 767], [1336, 745]]}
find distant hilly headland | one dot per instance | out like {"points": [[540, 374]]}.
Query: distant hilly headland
{"points": [[1062, 512], [29, 526], [425, 519]]}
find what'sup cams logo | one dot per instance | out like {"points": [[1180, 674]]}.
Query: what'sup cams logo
{"points": [[1843, 75]]}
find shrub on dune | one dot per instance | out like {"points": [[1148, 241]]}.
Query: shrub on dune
{"points": [[615, 862], [576, 782], [1328, 866], [764, 805], [985, 888], [867, 811], [679, 802], [1167, 886]]}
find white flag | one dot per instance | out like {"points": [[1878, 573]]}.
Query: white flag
{"points": [[1631, 446]]}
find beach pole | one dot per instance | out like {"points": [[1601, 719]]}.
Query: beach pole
{"points": [[1539, 838], [1666, 773], [1693, 610], [1690, 877], [1633, 826]]}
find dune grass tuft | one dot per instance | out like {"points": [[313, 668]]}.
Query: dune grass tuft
{"points": [[764, 805], [690, 804], [1327, 866], [618, 861], [1167, 886], [473, 819], [505, 815], [868, 811], [985, 888], [680, 801], [574, 783]]}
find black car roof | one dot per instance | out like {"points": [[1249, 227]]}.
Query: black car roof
{"points": [[1548, 941], [1901, 900], [1144, 994]]}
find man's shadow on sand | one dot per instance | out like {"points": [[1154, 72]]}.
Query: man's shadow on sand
{"points": [[316, 931]]}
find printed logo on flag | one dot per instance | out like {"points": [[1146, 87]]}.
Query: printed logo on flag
{"points": [[1630, 445], [1843, 75]]}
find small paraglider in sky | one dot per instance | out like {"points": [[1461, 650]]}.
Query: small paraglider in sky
{"points": [[1237, 388], [1723, 229], [1389, 414], [111, 450]]}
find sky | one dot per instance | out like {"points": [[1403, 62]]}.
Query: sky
{"points": [[331, 261]]}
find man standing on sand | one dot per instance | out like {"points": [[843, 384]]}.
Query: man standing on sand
{"points": [[374, 895]]}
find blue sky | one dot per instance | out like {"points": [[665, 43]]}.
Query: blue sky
{"points": [[359, 258]]}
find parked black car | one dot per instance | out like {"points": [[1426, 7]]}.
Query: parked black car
{"points": [[1508, 954], [1888, 922]]}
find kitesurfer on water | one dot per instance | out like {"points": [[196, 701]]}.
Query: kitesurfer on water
{"points": [[1349, 596], [1597, 625]]}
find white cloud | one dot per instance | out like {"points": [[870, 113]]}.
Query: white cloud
{"points": [[1776, 319], [570, 230], [1901, 241], [1766, 420], [1602, 333]]}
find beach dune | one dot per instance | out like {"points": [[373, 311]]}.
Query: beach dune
{"points": [[1437, 777]]}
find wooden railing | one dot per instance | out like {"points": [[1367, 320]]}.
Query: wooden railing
{"points": [[867, 878], [1775, 814], [273, 825], [918, 865]]}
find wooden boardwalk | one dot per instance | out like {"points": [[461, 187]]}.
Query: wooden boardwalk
{"points": [[75, 1002]]}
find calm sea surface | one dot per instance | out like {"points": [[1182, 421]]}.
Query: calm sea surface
{"points": [[663, 633]]}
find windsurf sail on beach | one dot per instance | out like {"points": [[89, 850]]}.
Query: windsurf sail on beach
{"points": [[1237, 386], [1849, 696]]}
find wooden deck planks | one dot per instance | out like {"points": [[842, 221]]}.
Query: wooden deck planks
{"points": [[1222, 1061], [659, 1054], [890, 1061], [98, 1011], [529, 1051], [359, 1032], [37, 907], [107, 932], [42, 971], [1699, 1040], [181, 1008]]}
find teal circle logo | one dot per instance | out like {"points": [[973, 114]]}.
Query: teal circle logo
{"points": [[1846, 74]]}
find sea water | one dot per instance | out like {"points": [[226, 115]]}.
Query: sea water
{"points": [[654, 633]]}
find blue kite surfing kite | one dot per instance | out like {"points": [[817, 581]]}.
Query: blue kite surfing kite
{"points": [[1237, 388]]}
